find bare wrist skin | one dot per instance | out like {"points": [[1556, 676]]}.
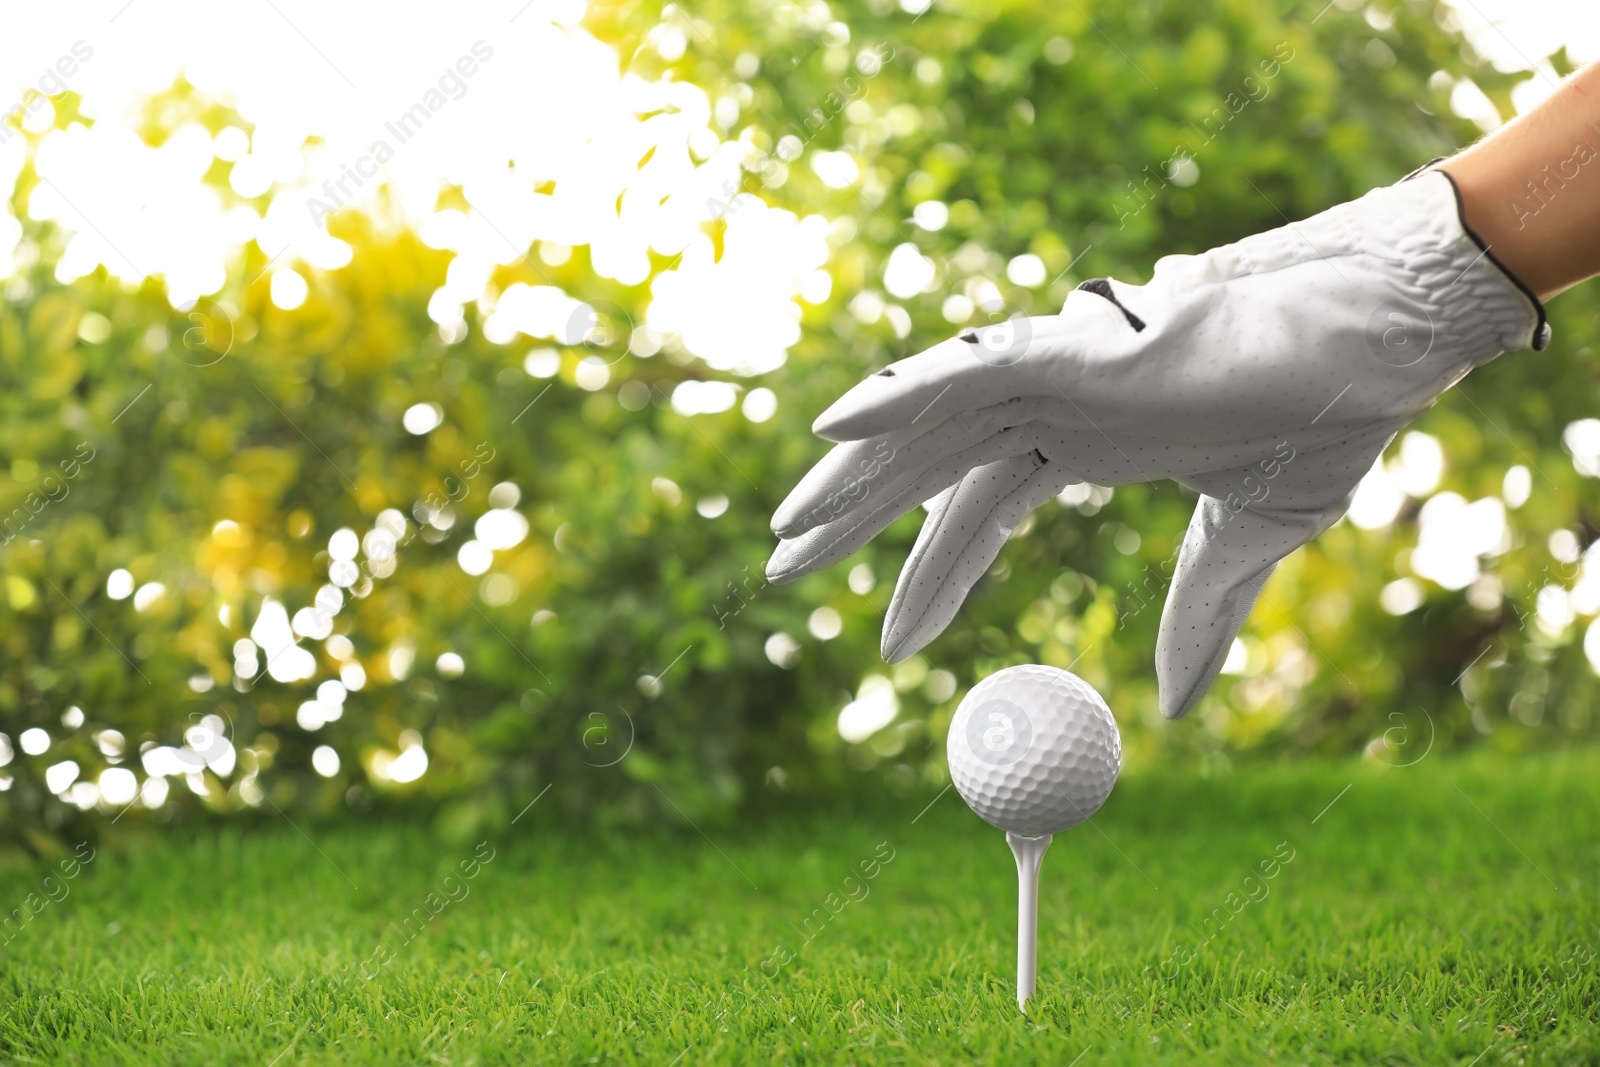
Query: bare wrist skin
{"points": [[1531, 190]]}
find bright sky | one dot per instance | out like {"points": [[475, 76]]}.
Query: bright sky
{"points": [[1518, 34], [417, 101]]}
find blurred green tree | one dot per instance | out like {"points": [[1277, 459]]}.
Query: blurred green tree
{"points": [[626, 649]]}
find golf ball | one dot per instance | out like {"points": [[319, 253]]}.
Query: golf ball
{"points": [[1034, 750]]}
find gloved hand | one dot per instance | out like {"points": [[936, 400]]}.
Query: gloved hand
{"points": [[1266, 375]]}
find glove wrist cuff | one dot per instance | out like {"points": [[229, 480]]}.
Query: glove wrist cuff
{"points": [[1476, 300]]}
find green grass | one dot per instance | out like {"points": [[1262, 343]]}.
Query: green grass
{"points": [[1405, 929]]}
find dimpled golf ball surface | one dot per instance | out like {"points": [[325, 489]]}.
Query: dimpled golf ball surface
{"points": [[1034, 750]]}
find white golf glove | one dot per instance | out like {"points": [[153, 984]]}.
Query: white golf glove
{"points": [[1266, 375]]}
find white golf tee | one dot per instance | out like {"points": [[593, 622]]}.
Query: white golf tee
{"points": [[1029, 852]]}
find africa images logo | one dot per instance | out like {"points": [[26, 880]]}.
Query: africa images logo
{"points": [[999, 732], [1002, 343], [1400, 335]]}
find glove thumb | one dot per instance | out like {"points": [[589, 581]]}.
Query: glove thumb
{"points": [[1228, 554]]}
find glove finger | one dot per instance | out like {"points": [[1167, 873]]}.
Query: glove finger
{"points": [[1228, 554], [959, 541], [862, 474], [845, 476], [935, 504], [1020, 357], [825, 545]]}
